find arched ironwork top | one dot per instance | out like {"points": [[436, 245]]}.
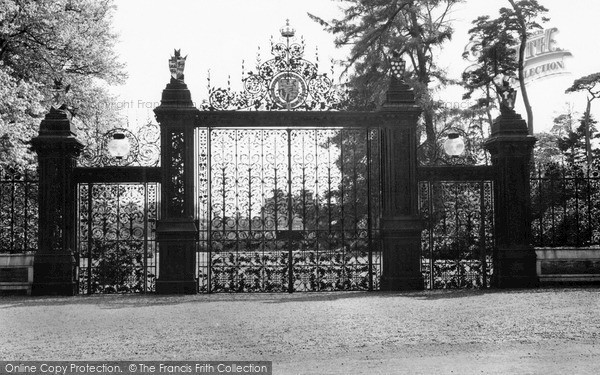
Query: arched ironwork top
{"points": [[285, 82], [121, 147]]}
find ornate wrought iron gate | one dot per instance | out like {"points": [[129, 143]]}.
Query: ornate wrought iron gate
{"points": [[458, 208], [117, 247], [283, 209], [117, 210]]}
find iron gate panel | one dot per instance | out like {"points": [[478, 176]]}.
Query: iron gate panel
{"points": [[117, 246], [458, 239], [287, 209], [18, 209]]}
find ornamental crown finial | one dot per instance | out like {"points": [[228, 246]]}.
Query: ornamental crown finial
{"points": [[287, 31]]}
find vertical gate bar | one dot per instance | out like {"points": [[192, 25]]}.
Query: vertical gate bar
{"points": [[290, 216], [589, 205], [482, 232], [264, 136], [564, 192], [145, 263], [457, 226], [329, 208], [355, 179], [208, 212], [26, 208], [275, 200], [317, 211], [369, 213], [224, 200], [90, 238], [245, 246], [430, 230], [576, 182], [302, 245], [13, 182], [237, 206], [552, 210], [540, 189], [342, 220]]}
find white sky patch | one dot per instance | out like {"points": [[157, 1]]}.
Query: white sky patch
{"points": [[218, 35]]}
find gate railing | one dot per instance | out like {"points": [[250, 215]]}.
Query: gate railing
{"points": [[18, 209], [457, 206], [566, 206], [117, 210], [282, 209]]}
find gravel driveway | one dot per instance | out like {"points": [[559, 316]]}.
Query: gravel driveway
{"points": [[544, 331]]}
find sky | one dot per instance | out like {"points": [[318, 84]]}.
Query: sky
{"points": [[220, 36]]}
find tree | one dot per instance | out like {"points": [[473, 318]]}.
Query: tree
{"points": [[575, 145], [588, 83], [417, 28], [493, 55], [524, 19], [43, 40], [492, 41]]}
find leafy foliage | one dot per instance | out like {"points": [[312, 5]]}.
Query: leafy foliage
{"points": [[417, 28], [588, 83], [44, 40], [492, 45]]}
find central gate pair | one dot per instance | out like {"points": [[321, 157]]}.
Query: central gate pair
{"points": [[284, 209]]}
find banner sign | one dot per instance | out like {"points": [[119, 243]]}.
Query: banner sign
{"points": [[542, 57]]}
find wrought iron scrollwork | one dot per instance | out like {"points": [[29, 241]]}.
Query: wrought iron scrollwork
{"points": [[285, 82], [176, 203], [19, 209], [457, 244], [139, 149], [117, 246], [286, 210]]}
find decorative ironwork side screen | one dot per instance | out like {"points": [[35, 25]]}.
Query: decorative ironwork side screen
{"points": [[117, 247], [565, 204], [117, 209], [18, 209], [284, 210], [457, 244]]}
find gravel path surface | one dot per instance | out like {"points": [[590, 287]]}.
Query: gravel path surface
{"points": [[544, 331]]}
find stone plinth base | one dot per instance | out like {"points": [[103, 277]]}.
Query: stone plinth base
{"points": [[176, 286], [54, 274], [401, 240], [516, 267]]}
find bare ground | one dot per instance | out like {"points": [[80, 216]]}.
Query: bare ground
{"points": [[544, 331]]}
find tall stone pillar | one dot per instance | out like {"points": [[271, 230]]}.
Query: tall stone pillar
{"points": [[511, 147], [176, 230], [401, 225], [54, 268]]}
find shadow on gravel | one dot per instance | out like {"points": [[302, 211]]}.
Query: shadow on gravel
{"points": [[119, 301]]}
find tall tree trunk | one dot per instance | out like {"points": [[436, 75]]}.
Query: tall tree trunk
{"points": [[488, 110], [423, 77], [586, 124], [521, 65]]}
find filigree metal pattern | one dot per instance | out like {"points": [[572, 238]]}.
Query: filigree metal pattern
{"points": [[285, 215], [176, 173], [457, 244], [143, 148], [565, 211], [287, 81], [117, 248], [18, 209]]}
